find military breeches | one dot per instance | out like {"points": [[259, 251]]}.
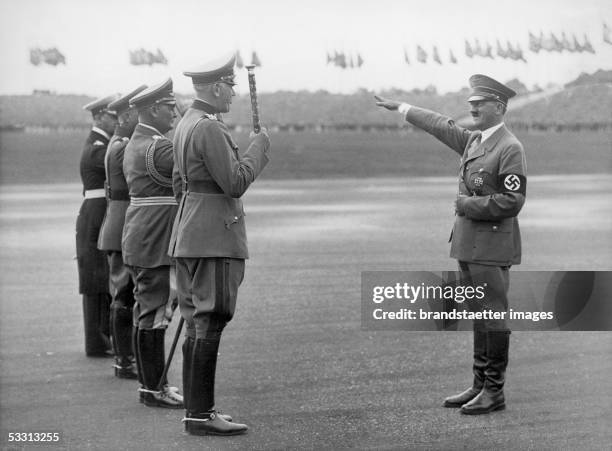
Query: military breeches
{"points": [[207, 290], [496, 281], [154, 296], [120, 281]]}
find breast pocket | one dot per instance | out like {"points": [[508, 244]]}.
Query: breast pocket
{"points": [[494, 242], [481, 182]]}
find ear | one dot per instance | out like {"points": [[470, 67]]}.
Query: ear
{"points": [[216, 89]]}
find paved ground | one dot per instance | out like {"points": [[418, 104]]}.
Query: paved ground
{"points": [[295, 364]]}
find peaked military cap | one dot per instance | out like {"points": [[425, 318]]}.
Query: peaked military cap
{"points": [[486, 88], [161, 93], [122, 104], [219, 69], [100, 105]]}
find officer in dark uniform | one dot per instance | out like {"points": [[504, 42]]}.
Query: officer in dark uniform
{"points": [[486, 239], [209, 237], [92, 264], [118, 199], [147, 166]]}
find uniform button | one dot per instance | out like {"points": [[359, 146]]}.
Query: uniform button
{"points": [[495, 228], [235, 218], [481, 169]]}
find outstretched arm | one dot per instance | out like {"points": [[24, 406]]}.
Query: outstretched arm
{"points": [[442, 127]]}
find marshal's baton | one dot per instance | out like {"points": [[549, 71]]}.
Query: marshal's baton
{"points": [[253, 91], [160, 385]]}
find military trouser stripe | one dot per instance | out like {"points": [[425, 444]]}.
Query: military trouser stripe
{"points": [[221, 284]]}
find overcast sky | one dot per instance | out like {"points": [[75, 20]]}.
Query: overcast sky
{"points": [[291, 39]]}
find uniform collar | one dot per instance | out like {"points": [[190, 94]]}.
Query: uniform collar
{"points": [[99, 131], [489, 131], [202, 105], [149, 127], [123, 132]]}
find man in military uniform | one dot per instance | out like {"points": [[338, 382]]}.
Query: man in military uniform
{"points": [[209, 238], [147, 166], [118, 199], [486, 239], [92, 264]]}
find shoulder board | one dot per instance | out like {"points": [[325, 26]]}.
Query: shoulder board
{"points": [[212, 117], [160, 140]]}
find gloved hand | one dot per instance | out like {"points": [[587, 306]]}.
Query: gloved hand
{"points": [[263, 131]]}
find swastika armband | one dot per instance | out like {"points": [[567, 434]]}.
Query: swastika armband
{"points": [[513, 183]]}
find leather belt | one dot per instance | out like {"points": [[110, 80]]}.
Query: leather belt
{"points": [[95, 193], [154, 200]]}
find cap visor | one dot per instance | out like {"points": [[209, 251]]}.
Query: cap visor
{"points": [[476, 98]]}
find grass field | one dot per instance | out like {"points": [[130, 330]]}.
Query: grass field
{"points": [[295, 364], [53, 157]]}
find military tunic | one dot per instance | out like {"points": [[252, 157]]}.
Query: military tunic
{"points": [[209, 235], [120, 280], [117, 193], [147, 165], [493, 175], [93, 270]]}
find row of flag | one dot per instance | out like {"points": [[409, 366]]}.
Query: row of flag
{"points": [[552, 43], [142, 57], [51, 56], [343, 60], [139, 57], [353, 60]]}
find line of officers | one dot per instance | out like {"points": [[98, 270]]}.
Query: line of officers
{"points": [[161, 225]]}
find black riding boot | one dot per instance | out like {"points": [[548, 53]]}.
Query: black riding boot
{"points": [[187, 358], [201, 418], [152, 362], [121, 327], [492, 396], [478, 368]]}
